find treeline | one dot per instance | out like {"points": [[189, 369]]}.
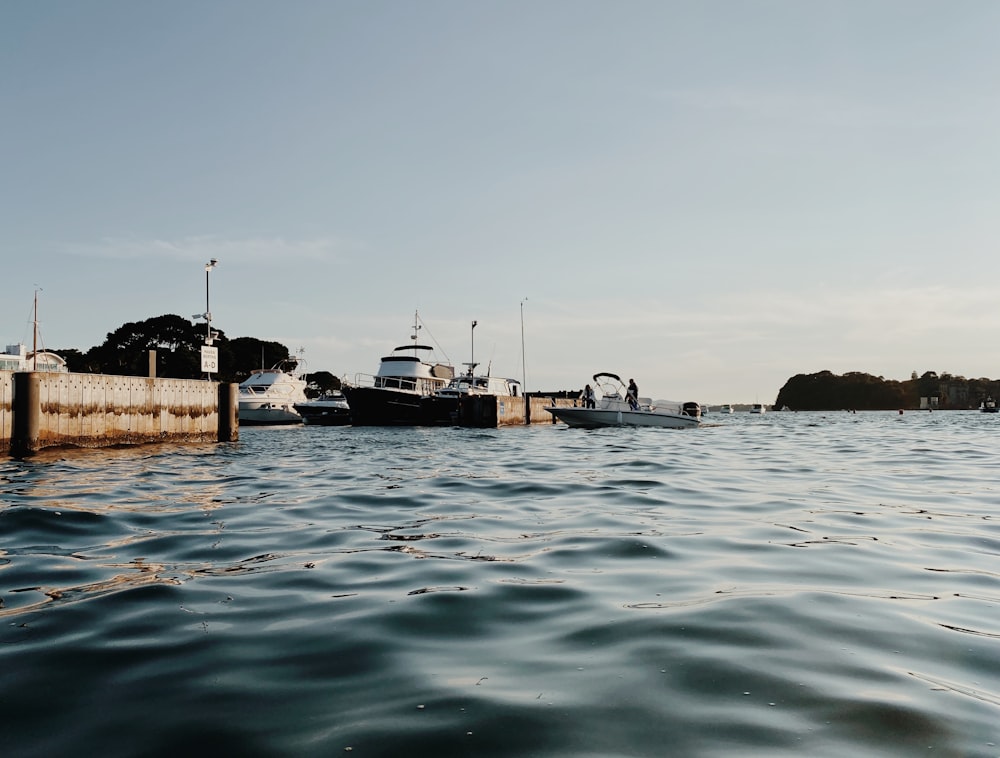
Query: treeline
{"points": [[177, 342], [826, 391]]}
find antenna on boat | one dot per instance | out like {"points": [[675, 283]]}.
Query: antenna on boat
{"points": [[416, 328]]}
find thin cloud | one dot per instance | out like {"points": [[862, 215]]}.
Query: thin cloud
{"points": [[206, 247]]}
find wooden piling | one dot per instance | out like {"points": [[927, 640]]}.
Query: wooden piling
{"points": [[229, 424], [27, 414]]}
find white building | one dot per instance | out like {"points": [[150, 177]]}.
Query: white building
{"points": [[17, 358]]}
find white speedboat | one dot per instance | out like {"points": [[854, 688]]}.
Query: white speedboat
{"points": [[727, 408], [392, 397], [330, 409], [758, 408], [268, 396], [612, 409]]}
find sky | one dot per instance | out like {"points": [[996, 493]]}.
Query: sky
{"points": [[710, 197]]}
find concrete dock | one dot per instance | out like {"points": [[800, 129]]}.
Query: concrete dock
{"points": [[41, 410]]}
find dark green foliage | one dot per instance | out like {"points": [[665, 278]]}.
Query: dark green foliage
{"points": [[245, 354], [321, 382], [178, 342], [125, 352], [825, 391]]}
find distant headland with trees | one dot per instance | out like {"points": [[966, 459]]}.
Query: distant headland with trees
{"points": [[826, 391], [177, 342]]}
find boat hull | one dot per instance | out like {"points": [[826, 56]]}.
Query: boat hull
{"points": [[267, 414], [324, 415], [377, 406], [594, 418], [440, 411]]}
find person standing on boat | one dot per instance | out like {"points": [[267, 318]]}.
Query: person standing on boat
{"points": [[633, 395], [588, 397]]}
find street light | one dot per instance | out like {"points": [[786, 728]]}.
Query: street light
{"points": [[209, 354], [208, 311], [524, 370]]}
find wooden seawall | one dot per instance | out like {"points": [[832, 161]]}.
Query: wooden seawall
{"points": [[41, 410]]}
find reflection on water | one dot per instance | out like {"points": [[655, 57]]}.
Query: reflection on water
{"points": [[818, 584]]}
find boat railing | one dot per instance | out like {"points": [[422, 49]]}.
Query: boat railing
{"points": [[403, 383]]}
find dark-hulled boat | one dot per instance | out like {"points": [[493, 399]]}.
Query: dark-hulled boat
{"points": [[392, 397]]}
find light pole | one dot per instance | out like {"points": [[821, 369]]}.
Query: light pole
{"points": [[524, 370], [209, 354], [208, 311]]}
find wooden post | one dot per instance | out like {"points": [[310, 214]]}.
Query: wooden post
{"points": [[152, 364], [229, 424], [27, 412]]}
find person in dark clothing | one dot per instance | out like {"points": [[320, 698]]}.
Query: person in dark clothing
{"points": [[633, 395], [588, 397]]}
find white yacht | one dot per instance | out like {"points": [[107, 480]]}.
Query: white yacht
{"points": [[758, 408], [268, 396]]}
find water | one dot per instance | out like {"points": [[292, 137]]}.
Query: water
{"points": [[792, 584]]}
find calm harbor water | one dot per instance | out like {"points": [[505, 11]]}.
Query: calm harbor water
{"points": [[792, 584]]}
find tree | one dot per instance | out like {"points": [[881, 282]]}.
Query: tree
{"points": [[825, 391], [245, 354], [321, 382], [177, 343], [125, 352]]}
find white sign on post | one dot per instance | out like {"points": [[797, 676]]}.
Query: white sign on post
{"points": [[209, 359]]}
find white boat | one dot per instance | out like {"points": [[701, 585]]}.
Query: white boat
{"points": [[392, 397], [727, 408], [612, 409], [330, 409], [445, 405], [268, 396], [758, 408], [989, 405]]}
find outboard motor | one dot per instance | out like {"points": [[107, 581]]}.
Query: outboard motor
{"points": [[691, 409]]}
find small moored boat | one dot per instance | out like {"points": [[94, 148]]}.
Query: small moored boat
{"points": [[268, 396], [330, 409]]}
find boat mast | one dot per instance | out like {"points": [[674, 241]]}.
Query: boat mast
{"points": [[472, 352], [34, 337], [416, 328]]}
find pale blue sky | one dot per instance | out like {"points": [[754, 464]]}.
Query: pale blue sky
{"points": [[708, 196]]}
